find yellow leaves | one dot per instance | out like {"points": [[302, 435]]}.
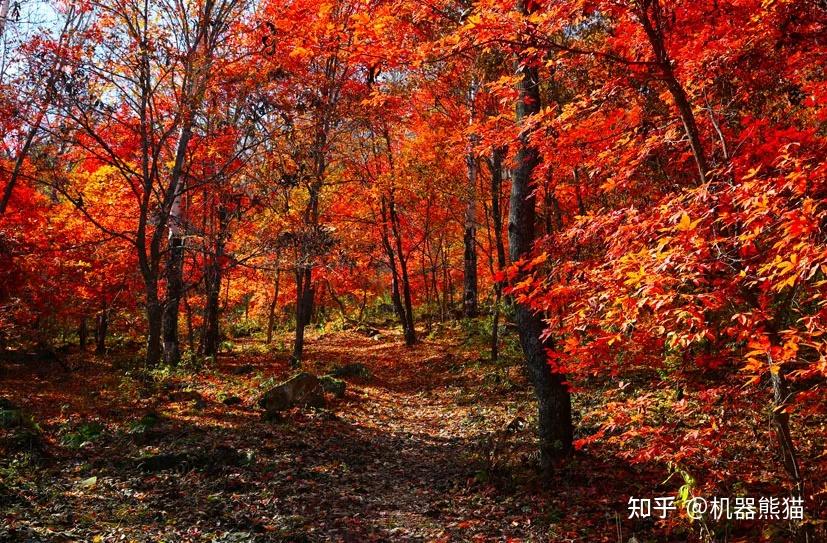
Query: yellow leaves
{"points": [[785, 265], [752, 173], [525, 283], [659, 250], [685, 224], [754, 367], [325, 9], [473, 20], [783, 273], [635, 278], [537, 17]]}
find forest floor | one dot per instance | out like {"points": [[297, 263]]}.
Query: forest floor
{"points": [[415, 452]]}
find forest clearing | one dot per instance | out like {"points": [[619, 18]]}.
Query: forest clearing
{"points": [[413, 270]]}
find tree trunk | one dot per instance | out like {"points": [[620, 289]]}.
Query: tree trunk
{"points": [[396, 230], [781, 420], [447, 284], [403, 288], [803, 533], [83, 333], [211, 335], [304, 305], [396, 298], [470, 295], [101, 327], [271, 314], [175, 287], [175, 262], [4, 15], [497, 219], [554, 402], [190, 328]]}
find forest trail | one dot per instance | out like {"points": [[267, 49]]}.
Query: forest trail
{"points": [[401, 457]]}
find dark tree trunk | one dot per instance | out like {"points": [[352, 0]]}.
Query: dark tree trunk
{"points": [[554, 402], [304, 306], [396, 298], [410, 332], [389, 215], [211, 335], [469, 282], [101, 328], [175, 288], [175, 262], [83, 333], [154, 317], [497, 219], [190, 329], [581, 207], [271, 314], [470, 295], [448, 284]]}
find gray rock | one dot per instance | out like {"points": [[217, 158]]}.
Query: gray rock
{"points": [[302, 389]]}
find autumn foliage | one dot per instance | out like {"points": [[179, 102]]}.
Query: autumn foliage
{"points": [[302, 162]]}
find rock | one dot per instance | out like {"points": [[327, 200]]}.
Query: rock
{"points": [[231, 400], [333, 385], [243, 369], [356, 369], [303, 389]]}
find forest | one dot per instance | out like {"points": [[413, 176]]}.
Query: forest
{"points": [[413, 270]]}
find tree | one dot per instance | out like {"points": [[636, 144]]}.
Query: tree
{"points": [[554, 403], [43, 59], [141, 125]]}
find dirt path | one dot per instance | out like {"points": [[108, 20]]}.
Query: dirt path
{"points": [[400, 458]]}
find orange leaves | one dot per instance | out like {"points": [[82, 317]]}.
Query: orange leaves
{"points": [[536, 261]]}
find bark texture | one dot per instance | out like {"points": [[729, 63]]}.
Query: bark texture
{"points": [[553, 399]]}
